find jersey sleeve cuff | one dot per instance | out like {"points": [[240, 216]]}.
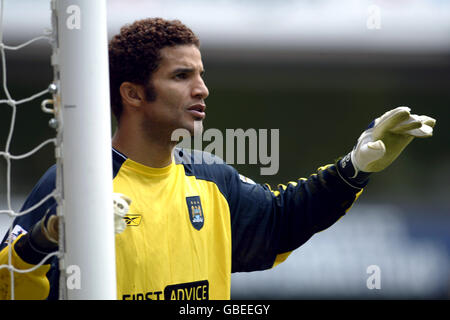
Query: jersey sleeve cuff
{"points": [[346, 170], [29, 252]]}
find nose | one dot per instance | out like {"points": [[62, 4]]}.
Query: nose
{"points": [[200, 90]]}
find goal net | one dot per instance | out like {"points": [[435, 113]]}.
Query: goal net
{"points": [[78, 102]]}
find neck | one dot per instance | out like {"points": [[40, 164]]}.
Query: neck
{"points": [[155, 153]]}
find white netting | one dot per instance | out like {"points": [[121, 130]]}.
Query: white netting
{"points": [[6, 154]]}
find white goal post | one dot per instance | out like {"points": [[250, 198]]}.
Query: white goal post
{"points": [[84, 161]]}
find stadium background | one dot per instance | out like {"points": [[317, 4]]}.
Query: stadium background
{"points": [[315, 71]]}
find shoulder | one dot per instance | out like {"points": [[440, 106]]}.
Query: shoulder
{"points": [[191, 156], [206, 166], [201, 163], [45, 185]]}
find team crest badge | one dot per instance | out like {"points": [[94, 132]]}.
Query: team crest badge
{"points": [[195, 212]]}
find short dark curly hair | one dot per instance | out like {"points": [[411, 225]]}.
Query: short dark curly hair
{"points": [[134, 54]]}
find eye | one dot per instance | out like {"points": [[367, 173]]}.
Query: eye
{"points": [[181, 76]]}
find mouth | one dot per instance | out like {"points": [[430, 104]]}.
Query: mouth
{"points": [[198, 111]]}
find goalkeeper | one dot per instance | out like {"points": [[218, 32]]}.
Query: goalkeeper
{"points": [[191, 223]]}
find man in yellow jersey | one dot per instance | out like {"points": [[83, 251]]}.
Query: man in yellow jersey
{"points": [[193, 220]]}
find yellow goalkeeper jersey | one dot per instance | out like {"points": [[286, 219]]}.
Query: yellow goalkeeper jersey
{"points": [[177, 244], [190, 225]]}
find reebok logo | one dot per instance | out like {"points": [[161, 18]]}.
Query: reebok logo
{"points": [[132, 220]]}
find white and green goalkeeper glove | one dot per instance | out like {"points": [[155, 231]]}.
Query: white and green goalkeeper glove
{"points": [[121, 205], [384, 140], [44, 235]]}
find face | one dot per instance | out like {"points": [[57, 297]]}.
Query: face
{"points": [[180, 92]]}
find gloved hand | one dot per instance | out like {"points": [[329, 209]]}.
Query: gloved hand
{"points": [[44, 235], [121, 204], [384, 140]]}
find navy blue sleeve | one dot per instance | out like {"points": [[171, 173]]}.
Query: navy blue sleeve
{"points": [[44, 186], [25, 222], [265, 222]]}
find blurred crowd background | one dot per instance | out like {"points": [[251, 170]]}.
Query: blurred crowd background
{"points": [[320, 72]]}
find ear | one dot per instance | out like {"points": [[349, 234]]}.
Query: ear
{"points": [[132, 94]]}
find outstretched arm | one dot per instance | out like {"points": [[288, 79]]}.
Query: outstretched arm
{"points": [[268, 224]]}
